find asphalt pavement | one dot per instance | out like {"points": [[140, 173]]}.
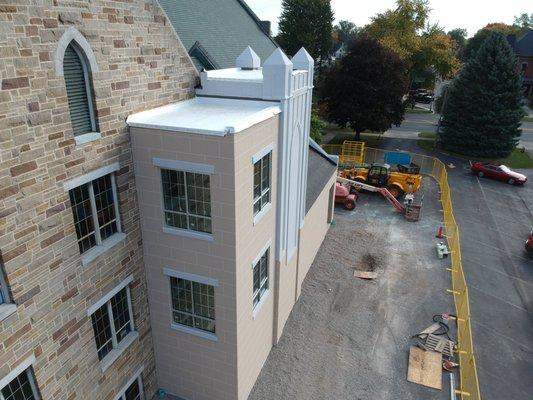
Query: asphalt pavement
{"points": [[494, 219]]}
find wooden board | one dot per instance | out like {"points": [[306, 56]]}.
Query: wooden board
{"points": [[365, 274], [425, 368]]}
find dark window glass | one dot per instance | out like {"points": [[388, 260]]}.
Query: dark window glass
{"points": [[105, 206], [83, 217], [121, 314], [102, 331], [134, 391], [261, 183], [260, 278], [193, 304], [19, 388]]}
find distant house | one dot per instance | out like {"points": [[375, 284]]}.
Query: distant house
{"points": [[523, 48], [215, 32]]}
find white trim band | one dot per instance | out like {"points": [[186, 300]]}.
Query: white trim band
{"points": [[259, 155], [109, 295], [262, 252], [135, 377], [184, 166], [23, 366], [190, 277], [91, 176]]}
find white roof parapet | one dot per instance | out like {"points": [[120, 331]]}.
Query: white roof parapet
{"points": [[303, 60], [277, 70], [248, 59], [206, 115]]}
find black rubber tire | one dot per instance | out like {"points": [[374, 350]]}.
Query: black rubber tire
{"points": [[349, 204], [511, 181], [396, 191]]}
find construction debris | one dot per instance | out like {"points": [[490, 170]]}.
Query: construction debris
{"points": [[425, 368], [440, 344]]}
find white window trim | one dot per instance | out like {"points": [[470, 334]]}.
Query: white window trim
{"points": [[259, 216], [99, 249], [188, 233], [206, 169], [262, 300], [91, 310], [87, 138], [137, 376], [90, 176], [190, 277], [257, 157], [172, 273], [7, 307], [19, 369], [260, 154], [118, 348]]}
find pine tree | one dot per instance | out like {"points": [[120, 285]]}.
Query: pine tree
{"points": [[483, 112], [306, 23]]}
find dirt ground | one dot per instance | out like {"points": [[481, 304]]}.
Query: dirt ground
{"points": [[349, 338]]}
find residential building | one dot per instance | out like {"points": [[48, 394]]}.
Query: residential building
{"points": [[523, 48], [215, 32], [235, 201], [74, 320]]}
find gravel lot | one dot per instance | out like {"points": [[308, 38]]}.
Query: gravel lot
{"points": [[348, 338]]}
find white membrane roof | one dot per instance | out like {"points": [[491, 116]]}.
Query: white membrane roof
{"points": [[206, 115]]}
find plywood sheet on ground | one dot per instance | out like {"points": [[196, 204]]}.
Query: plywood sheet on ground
{"points": [[425, 368]]}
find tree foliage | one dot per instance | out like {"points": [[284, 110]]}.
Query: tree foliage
{"points": [[458, 35], [475, 42], [317, 127], [483, 112], [364, 90], [306, 23], [405, 31], [344, 32], [524, 22]]}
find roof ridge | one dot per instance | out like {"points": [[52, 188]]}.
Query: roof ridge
{"points": [[257, 20]]}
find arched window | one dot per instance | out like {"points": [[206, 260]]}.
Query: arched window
{"points": [[77, 75]]}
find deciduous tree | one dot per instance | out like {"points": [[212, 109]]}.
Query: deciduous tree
{"points": [[475, 42], [483, 112], [364, 90], [306, 23]]}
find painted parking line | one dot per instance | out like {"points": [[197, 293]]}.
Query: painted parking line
{"points": [[505, 274], [476, 288]]}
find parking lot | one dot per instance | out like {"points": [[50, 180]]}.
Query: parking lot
{"points": [[348, 338], [494, 220]]}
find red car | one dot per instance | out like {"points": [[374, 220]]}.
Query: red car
{"points": [[498, 172], [529, 244]]}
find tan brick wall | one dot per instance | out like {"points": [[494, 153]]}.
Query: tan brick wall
{"points": [[141, 64], [191, 367], [254, 334]]}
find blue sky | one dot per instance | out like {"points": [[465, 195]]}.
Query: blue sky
{"points": [[469, 14]]}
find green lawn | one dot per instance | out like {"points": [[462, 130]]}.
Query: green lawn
{"points": [[370, 139], [517, 159], [527, 119], [417, 111], [427, 135]]}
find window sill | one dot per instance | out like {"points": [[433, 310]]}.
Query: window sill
{"points": [[108, 360], [193, 331], [187, 233], [6, 310], [87, 138], [259, 305], [97, 251], [259, 216]]}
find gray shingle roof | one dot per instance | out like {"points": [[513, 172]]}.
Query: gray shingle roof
{"points": [[222, 27], [320, 168], [522, 46]]}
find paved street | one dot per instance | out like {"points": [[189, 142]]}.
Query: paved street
{"points": [[494, 219]]}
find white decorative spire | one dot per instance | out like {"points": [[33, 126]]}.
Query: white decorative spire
{"points": [[278, 58], [303, 60], [248, 59]]}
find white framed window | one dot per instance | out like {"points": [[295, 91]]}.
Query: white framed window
{"points": [[192, 303], [112, 321], [262, 178], [186, 200], [20, 383], [260, 280], [133, 390]]}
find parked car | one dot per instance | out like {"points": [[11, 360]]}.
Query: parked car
{"points": [[425, 98], [529, 243], [498, 172]]}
